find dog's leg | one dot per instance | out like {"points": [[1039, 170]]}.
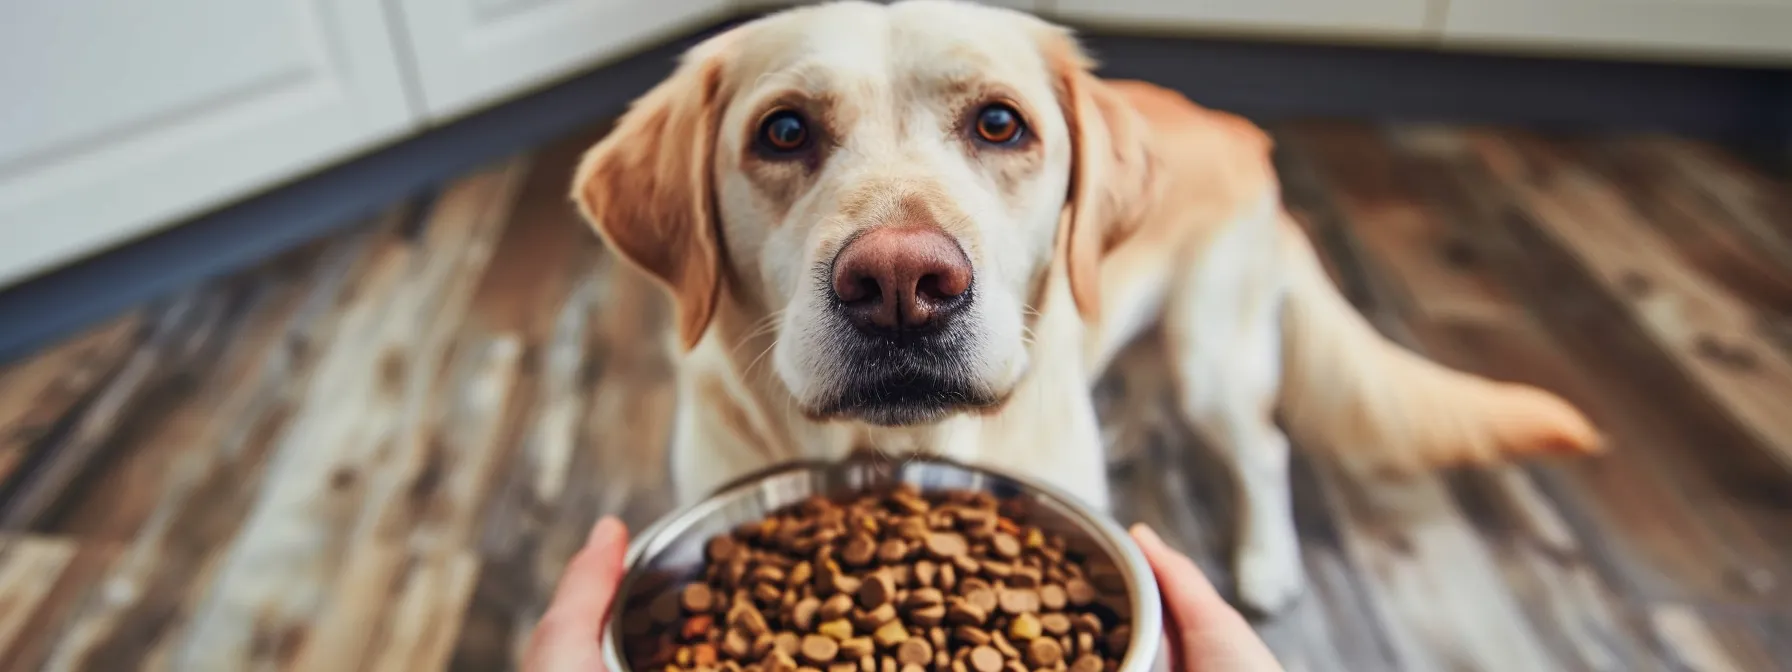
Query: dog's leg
{"points": [[1223, 334]]}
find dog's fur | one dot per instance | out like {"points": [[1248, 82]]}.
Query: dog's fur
{"points": [[1128, 208]]}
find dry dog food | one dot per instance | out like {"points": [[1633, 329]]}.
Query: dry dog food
{"points": [[892, 582]]}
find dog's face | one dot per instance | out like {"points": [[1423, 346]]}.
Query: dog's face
{"points": [[885, 183]]}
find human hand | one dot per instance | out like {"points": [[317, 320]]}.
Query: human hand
{"points": [[567, 637], [1205, 633]]}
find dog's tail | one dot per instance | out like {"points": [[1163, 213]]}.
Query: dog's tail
{"points": [[1350, 393]]}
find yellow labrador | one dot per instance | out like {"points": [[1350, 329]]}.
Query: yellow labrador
{"points": [[927, 226]]}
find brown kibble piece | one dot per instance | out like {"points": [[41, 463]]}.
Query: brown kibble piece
{"points": [[1014, 666], [736, 645], [703, 655], [746, 617], [1087, 663], [877, 590], [926, 573], [859, 550], [1025, 577], [720, 549], [1001, 643], [892, 550], [698, 627], [1086, 623], [886, 664], [913, 668], [1085, 641], [1024, 627], [985, 659], [928, 617], [844, 667], [970, 635], [803, 614], [871, 620], [984, 599], [923, 597], [787, 642], [1052, 597], [967, 565], [1019, 600], [890, 634], [1056, 624], [697, 598], [962, 612], [1044, 652], [768, 593], [857, 647], [847, 585], [999, 571], [835, 607], [914, 651], [820, 650], [1079, 592], [762, 647], [947, 546]]}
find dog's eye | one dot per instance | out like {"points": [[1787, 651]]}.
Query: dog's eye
{"points": [[783, 132], [999, 124]]}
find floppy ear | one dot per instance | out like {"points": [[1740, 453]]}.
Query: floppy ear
{"points": [[1110, 166], [648, 187]]}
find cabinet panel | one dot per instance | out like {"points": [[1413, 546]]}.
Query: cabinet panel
{"points": [[468, 53], [1344, 17], [1022, 5], [1761, 28], [123, 116]]}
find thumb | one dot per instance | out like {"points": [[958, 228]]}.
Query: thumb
{"points": [[1210, 635]]}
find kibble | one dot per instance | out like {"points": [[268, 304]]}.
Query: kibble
{"points": [[890, 582]]}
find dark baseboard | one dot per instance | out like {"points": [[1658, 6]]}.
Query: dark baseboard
{"points": [[1749, 108]]}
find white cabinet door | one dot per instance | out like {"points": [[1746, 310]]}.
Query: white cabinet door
{"points": [[121, 116], [1396, 19], [472, 52], [1734, 28], [1022, 5]]}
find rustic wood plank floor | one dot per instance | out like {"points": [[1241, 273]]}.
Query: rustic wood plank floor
{"points": [[376, 452]]}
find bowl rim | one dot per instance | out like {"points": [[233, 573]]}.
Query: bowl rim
{"points": [[1147, 617]]}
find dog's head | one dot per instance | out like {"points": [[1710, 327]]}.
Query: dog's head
{"points": [[889, 186]]}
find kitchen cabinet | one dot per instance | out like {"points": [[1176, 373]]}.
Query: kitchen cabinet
{"points": [[469, 53], [768, 5], [1722, 29], [123, 116], [1375, 19]]}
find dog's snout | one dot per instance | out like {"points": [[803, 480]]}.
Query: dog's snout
{"points": [[901, 277]]}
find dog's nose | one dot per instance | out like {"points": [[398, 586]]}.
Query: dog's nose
{"points": [[901, 277]]}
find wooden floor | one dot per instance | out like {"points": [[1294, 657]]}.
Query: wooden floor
{"points": [[376, 452]]}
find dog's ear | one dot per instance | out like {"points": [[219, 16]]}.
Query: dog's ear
{"points": [[1110, 165], [648, 186]]}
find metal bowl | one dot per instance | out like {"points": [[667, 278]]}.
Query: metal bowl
{"points": [[671, 551]]}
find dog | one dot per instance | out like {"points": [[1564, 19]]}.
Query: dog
{"points": [[929, 226]]}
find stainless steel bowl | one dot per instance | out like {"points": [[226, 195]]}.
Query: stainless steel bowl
{"points": [[671, 551]]}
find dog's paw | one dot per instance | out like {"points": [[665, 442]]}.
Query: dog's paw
{"points": [[1269, 583]]}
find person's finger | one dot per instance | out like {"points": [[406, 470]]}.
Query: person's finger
{"points": [[566, 637], [1208, 633]]}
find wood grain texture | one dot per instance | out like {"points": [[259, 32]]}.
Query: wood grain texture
{"points": [[378, 451]]}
